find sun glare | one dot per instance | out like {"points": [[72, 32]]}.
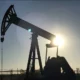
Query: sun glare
{"points": [[59, 41]]}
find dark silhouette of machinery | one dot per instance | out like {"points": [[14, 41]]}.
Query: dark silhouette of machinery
{"points": [[53, 65]]}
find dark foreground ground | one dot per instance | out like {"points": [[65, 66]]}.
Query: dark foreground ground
{"points": [[22, 76], [12, 77]]}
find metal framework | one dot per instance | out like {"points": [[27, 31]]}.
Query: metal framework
{"points": [[32, 56]]}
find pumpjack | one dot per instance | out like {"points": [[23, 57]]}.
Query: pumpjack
{"points": [[11, 17]]}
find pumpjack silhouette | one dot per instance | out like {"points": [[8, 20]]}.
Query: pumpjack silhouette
{"points": [[55, 68]]}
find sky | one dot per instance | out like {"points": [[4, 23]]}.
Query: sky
{"points": [[56, 17]]}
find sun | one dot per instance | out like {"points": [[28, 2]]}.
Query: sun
{"points": [[58, 41]]}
